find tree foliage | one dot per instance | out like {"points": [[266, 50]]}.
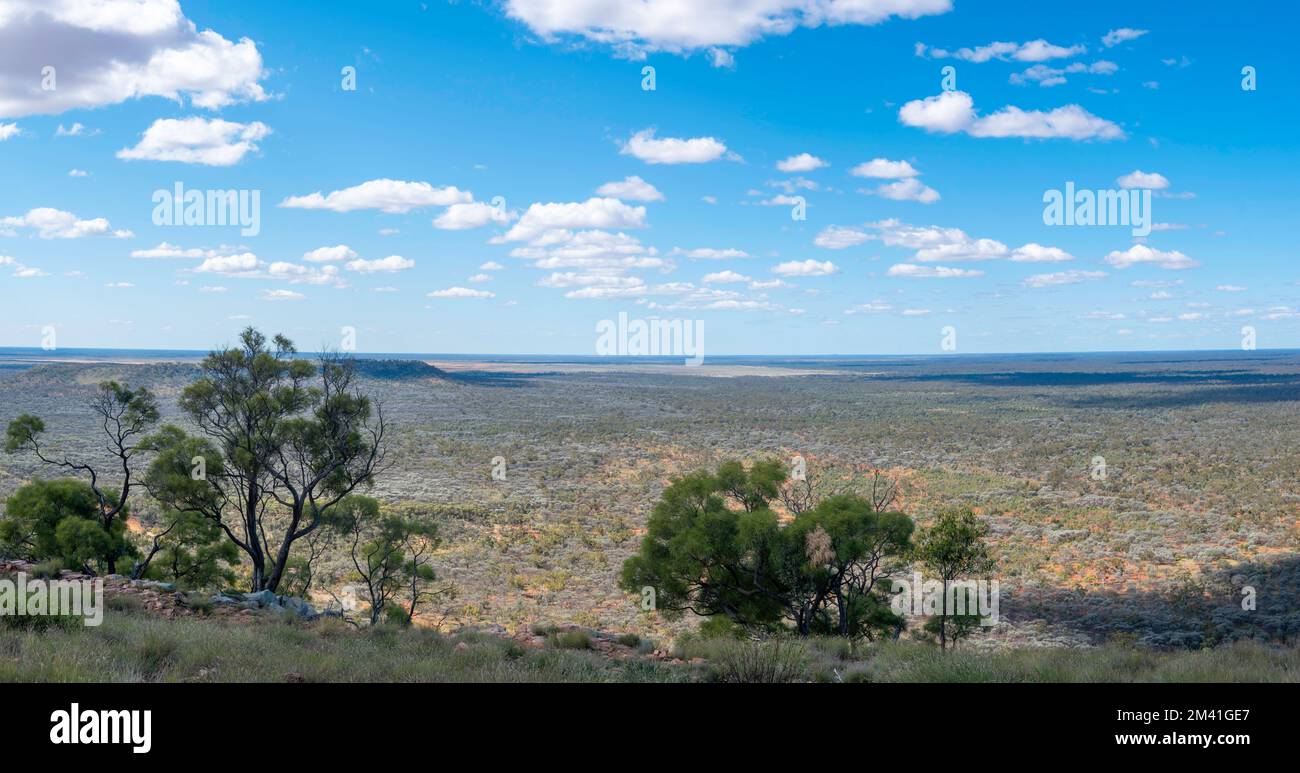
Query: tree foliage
{"points": [[125, 416], [59, 519], [282, 441], [954, 547], [714, 546]]}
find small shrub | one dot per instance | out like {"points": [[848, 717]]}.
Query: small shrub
{"points": [[767, 662], [47, 570], [570, 640], [629, 639]]}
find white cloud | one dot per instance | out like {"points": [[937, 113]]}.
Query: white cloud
{"points": [[1062, 278], [711, 253], [871, 307], [207, 141], [634, 28], [491, 265], [915, 312], [8, 131], [804, 162], [910, 189], [1139, 179], [52, 223], [119, 285], [836, 237], [280, 295], [461, 292], [1141, 253], [329, 254], [214, 289], [78, 173], [725, 277], [242, 263], [592, 213], [805, 268], [913, 271], [673, 150], [480, 278], [299, 274], [110, 51], [1037, 253], [1115, 37], [77, 129], [1230, 288], [1033, 51], [883, 168], [386, 265], [954, 111], [471, 214], [630, 189], [1055, 76], [392, 196], [165, 250]]}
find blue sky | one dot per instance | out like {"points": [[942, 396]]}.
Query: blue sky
{"points": [[924, 205]]}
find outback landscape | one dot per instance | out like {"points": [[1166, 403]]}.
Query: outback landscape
{"points": [[1142, 561]]}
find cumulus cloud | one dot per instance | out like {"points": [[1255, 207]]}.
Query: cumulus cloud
{"points": [[725, 277], [1055, 76], [1062, 278], [592, 213], [913, 271], [280, 295], [883, 168], [461, 292], [804, 162], [392, 196], [910, 189], [1139, 179], [633, 29], [49, 223], [711, 253], [110, 51], [8, 131], [630, 189], [385, 265], [954, 111], [673, 150], [244, 263], [329, 254], [836, 237], [1115, 37], [1140, 254], [165, 250], [805, 268], [1033, 51], [1037, 253], [207, 141], [471, 214]]}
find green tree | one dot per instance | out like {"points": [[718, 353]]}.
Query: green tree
{"points": [[125, 416], [954, 547], [391, 556], [191, 552], [283, 442], [59, 519], [715, 547]]}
